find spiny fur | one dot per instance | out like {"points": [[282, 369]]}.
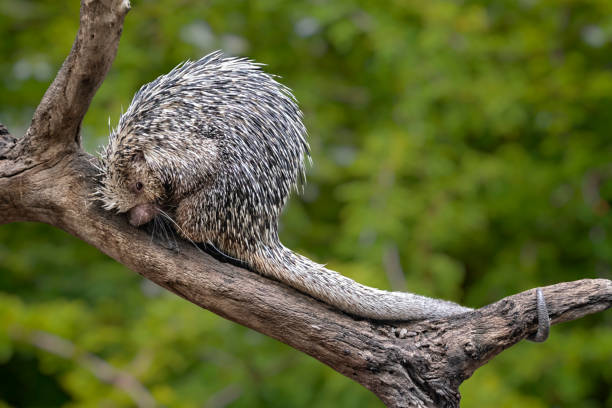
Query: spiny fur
{"points": [[219, 145]]}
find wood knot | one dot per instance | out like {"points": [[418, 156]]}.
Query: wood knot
{"points": [[402, 333], [470, 350], [507, 306], [7, 142]]}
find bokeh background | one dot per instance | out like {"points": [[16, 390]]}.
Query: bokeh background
{"points": [[461, 150]]}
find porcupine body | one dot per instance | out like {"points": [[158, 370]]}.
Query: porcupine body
{"points": [[218, 145]]}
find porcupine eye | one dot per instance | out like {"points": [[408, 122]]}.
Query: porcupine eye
{"points": [[138, 186]]}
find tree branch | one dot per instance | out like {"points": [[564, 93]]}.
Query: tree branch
{"points": [[406, 364], [67, 99]]}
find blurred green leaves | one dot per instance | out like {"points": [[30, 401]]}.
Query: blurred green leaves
{"points": [[461, 149]]}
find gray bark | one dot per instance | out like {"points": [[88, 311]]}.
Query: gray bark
{"points": [[46, 177]]}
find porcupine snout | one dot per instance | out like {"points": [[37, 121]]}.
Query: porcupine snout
{"points": [[142, 213]]}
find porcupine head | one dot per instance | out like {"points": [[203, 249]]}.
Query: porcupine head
{"points": [[216, 145]]}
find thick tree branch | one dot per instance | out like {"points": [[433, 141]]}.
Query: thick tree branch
{"points": [[405, 364], [67, 99]]}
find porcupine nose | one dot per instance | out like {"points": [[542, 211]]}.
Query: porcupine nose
{"points": [[142, 213]]}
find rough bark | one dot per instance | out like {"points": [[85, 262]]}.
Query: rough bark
{"points": [[46, 177]]}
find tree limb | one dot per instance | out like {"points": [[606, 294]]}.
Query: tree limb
{"points": [[67, 99], [405, 364]]}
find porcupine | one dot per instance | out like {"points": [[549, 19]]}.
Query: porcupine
{"points": [[217, 145]]}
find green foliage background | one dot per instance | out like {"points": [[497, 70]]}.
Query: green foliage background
{"points": [[461, 150]]}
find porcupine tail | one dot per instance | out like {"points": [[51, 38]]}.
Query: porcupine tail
{"points": [[344, 293]]}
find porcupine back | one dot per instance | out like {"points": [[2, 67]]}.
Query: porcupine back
{"points": [[229, 142]]}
